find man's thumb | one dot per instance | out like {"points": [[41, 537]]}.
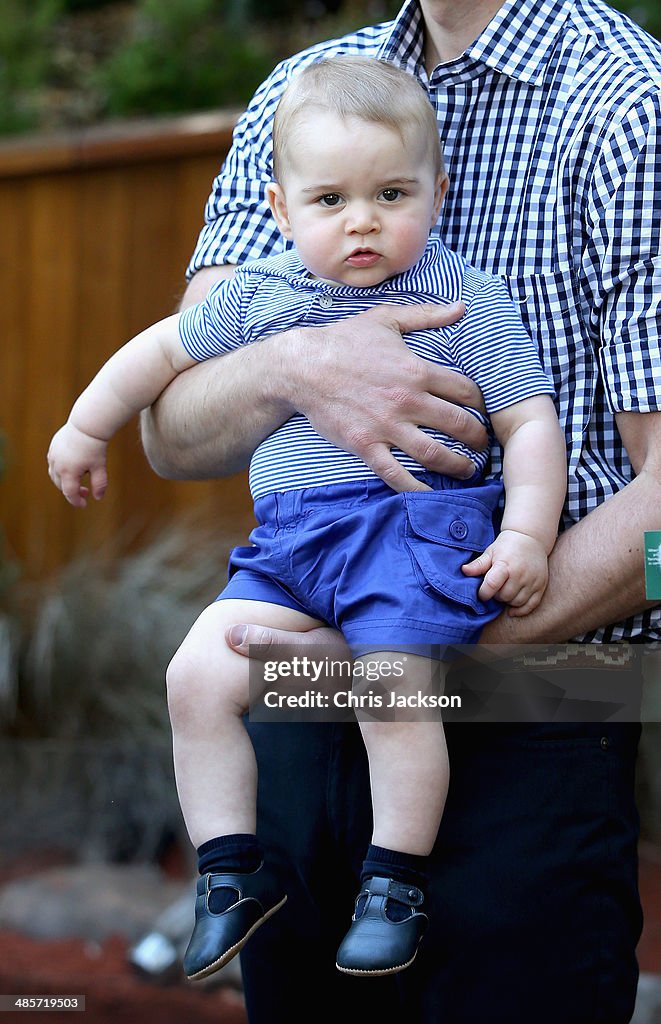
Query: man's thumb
{"points": [[260, 642], [235, 637]]}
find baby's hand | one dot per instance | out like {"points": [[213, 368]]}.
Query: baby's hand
{"points": [[71, 455], [515, 570]]}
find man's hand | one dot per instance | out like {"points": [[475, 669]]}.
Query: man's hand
{"points": [[356, 381], [365, 391]]}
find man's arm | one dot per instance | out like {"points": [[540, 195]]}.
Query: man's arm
{"points": [[596, 569], [356, 381], [181, 435]]}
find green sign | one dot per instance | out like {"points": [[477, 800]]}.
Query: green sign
{"points": [[653, 565]]}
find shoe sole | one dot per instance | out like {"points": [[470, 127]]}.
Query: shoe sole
{"points": [[233, 950], [362, 972]]}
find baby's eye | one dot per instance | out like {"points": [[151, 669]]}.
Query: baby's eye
{"points": [[391, 195], [330, 199]]}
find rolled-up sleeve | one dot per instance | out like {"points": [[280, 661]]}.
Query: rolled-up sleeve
{"points": [[238, 222], [623, 261]]}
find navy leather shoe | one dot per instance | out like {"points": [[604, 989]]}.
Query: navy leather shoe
{"points": [[217, 937], [375, 944]]}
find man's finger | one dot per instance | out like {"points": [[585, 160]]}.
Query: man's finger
{"points": [[445, 415], [387, 468], [454, 387], [261, 642], [432, 454], [425, 316]]}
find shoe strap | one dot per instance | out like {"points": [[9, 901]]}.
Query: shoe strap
{"points": [[218, 880], [409, 895]]}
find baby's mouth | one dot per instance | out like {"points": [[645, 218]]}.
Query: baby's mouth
{"points": [[363, 258]]}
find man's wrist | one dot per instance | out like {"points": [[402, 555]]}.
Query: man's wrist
{"points": [[285, 379]]}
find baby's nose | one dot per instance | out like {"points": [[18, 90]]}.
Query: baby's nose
{"points": [[362, 219]]}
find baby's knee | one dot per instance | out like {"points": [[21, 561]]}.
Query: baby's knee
{"points": [[205, 677], [188, 681]]}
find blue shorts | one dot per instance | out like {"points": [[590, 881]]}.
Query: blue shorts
{"points": [[382, 567]]}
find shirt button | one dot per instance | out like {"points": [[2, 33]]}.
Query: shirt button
{"points": [[325, 301], [458, 529], [605, 743]]}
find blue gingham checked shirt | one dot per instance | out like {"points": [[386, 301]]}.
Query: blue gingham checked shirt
{"points": [[551, 126]]}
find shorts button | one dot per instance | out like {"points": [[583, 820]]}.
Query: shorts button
{"points": [[325, 301], [458, 529], [605, 743]]}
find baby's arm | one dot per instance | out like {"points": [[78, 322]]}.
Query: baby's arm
{"points": [[130, 381], [515, 566]]}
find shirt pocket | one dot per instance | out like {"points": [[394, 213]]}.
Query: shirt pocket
{"points": [[444, 530]]}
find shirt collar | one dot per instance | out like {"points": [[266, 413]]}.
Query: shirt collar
{"points": [[405, 44], [517, 41]]}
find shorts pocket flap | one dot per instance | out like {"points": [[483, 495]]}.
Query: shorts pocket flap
{"points": [[444, 530], [448, 517]]}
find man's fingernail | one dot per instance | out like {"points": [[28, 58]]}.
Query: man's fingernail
{"points": [[237, 635]]}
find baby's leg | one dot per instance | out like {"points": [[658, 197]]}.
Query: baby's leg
{"points": [[409, 779], [217, 782], [207, 686], [408, 759]]}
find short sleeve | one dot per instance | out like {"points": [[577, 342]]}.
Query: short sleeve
{"points": [[622, 259], [213, 327], [491, 345]]}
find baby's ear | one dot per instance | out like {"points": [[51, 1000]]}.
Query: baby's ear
{"points": [[441, 187], [278, 203]]}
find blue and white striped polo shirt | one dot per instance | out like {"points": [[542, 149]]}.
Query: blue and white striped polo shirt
{"points": [[551, 128], [489, 344]]}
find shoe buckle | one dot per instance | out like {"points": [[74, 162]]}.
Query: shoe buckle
{"points": [[415, 897], [409, 895]]}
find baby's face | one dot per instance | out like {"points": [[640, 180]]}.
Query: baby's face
{"points": [[357, 201]]}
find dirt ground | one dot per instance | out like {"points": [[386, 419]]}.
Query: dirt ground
{"points": [[115, 994]]}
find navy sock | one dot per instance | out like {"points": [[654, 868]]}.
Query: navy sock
{"points": [[240, 852], [407, 868]]}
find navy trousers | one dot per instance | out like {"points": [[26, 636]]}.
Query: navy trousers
{"points": [[533, 903]]}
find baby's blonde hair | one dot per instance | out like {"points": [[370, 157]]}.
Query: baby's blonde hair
{"points": [[366, 88]]}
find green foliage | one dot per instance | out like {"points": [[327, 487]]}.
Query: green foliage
{"points": [[59, 68], [86, 5], [646, 12], [25, 31], [183, 55], [67, 63]]}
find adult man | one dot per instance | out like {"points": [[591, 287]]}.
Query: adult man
{"points": [[549, 113]]}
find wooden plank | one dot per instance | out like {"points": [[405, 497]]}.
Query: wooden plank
{"points": [[88, 257], [51, 250], [102, 274], [13, 380], [118, 143]]}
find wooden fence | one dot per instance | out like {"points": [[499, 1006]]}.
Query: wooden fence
{"points": [[96, 229]]}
